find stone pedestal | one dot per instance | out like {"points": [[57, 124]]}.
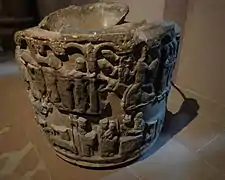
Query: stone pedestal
{"points": [[98, 84]]}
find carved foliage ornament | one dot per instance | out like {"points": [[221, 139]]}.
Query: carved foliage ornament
{"points": [[98, 85]]}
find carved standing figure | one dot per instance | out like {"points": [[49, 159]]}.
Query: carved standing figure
{"points": [[42, 109], [65, 86], [50, 82], [125, 69], [80, 87], [37, 82], [75, 136], [23, 68], [50, 63], [166, 66]]}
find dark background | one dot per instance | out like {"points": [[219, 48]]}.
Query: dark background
{"points": [[21, 14]]}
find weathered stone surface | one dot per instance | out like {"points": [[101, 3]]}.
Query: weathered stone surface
{"points": [[101, 77], [130, 143]]}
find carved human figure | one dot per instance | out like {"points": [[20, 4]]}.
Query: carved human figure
{"points": [[49, 60], [60, 136], [108, 71], [153, 59], [70, 83], [166, 73], [100, 69], [132, 134], [32, 72], [76, 140], [103, 126], [126, 125], [87, 138], [42, 109], [49, 63], [65, 88], [133, 127], [91, 59], [108, 138], [80, 87], [92, 69], [135, 95], [50, 82], [139, 123], [105, 64], [46, 107], [142, 67], [169, 53], [111, 133], [177, 39], [175, 45], [28, 57], [37, 82], [105, 71], [23, 68], [110, 55], [125, 68], [95, 104]]}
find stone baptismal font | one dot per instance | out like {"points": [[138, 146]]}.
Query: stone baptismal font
{"points": [[98, 84]]}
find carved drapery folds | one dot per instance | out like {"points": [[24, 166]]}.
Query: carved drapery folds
{"points": [[91, 91]]}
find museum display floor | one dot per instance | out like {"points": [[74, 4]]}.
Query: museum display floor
{"points": [[191, 146]]}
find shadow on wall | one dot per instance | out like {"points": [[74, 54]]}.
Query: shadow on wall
{"points": [[174, 123]]}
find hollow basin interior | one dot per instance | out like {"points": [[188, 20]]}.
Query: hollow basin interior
{"points": [[85, 18]]}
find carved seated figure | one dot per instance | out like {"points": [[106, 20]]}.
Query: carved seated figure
{"points": [[133, 127], [126, 125], [111, 133], [132, 133], [86, 138], [139, 123], [60, 136], [103, 126], [42, 109], [108, 138]]}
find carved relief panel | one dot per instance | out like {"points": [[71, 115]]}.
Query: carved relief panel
{"points": [[90, 89]]}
